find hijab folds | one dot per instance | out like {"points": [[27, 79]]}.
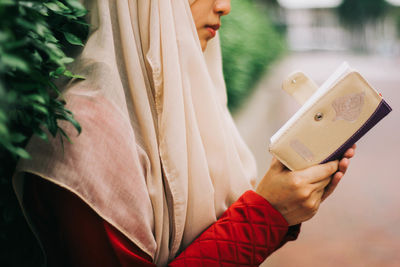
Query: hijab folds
{"points": [[159, 156]]}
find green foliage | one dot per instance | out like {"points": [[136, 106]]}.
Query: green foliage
{"points": [[356, 13], [395, 14], [397, 18], [34, 39], [31, 57], [249, 44], [270, 2]]}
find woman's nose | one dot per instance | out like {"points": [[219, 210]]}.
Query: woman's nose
{"points": [[222, 7]]}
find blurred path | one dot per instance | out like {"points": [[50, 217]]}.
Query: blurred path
{"points": [[360, 224]]}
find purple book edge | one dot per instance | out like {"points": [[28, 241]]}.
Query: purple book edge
{"points": [[381, 111]]}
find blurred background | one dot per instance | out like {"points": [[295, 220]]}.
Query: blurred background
{"points": [[263, 42]]}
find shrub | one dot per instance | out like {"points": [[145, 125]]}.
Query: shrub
{"points": [[356, 13], [34, 36], [250, 44]]}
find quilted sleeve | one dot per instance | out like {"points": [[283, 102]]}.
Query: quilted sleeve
{"points": [[245, 235]]}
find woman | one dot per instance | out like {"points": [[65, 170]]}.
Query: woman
{"points": [[159, 169]]}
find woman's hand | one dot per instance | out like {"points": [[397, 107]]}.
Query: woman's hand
{"points": [[298, 194], [343, 165]]}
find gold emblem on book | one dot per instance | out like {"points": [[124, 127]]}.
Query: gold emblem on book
{"points": [[349, 107]]}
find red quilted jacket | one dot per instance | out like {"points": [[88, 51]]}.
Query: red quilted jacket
{"points": [[245, 235]]}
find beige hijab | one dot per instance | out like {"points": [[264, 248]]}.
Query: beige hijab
{"points": [[159, 156]]}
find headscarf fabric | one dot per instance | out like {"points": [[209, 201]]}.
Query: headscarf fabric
{"points": [[159, 156]]}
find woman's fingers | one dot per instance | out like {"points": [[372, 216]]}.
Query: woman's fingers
{"points": [[319, 172], [350, 152], [332, 186], [343, 165], [320, 186], [330, 183]]}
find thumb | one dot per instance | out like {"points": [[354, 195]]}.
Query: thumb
{"points": [[277, 165]]}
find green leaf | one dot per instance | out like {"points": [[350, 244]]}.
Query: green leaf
{"points": [[15, 44], [57, 72], [37, 57], [62, 142], [82, 23], [50, 37], [39, 8], [54, 87], [40, 133], [52, 124], [60, 103], [70, 16], [40, 109], [12, 96], [7, 2], [80, 13], [60, 70], [42, 30], [65, 135], [61, 5], [3, 129], [74, 123], [13, 61], [4, 36], [69, 74], [25, 24], [67, 60], [22, 153], [56, 7], [2, 116], [18, 137], [72, 39], [75, 4], [54, 50], [37, 98]]}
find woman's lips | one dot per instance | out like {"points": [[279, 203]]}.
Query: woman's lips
{"points": [[212, 29]]}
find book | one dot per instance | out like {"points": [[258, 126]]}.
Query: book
{"points": [[332, 118]]}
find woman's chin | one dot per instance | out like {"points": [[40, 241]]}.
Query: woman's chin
{"points": [[203, 44]]}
